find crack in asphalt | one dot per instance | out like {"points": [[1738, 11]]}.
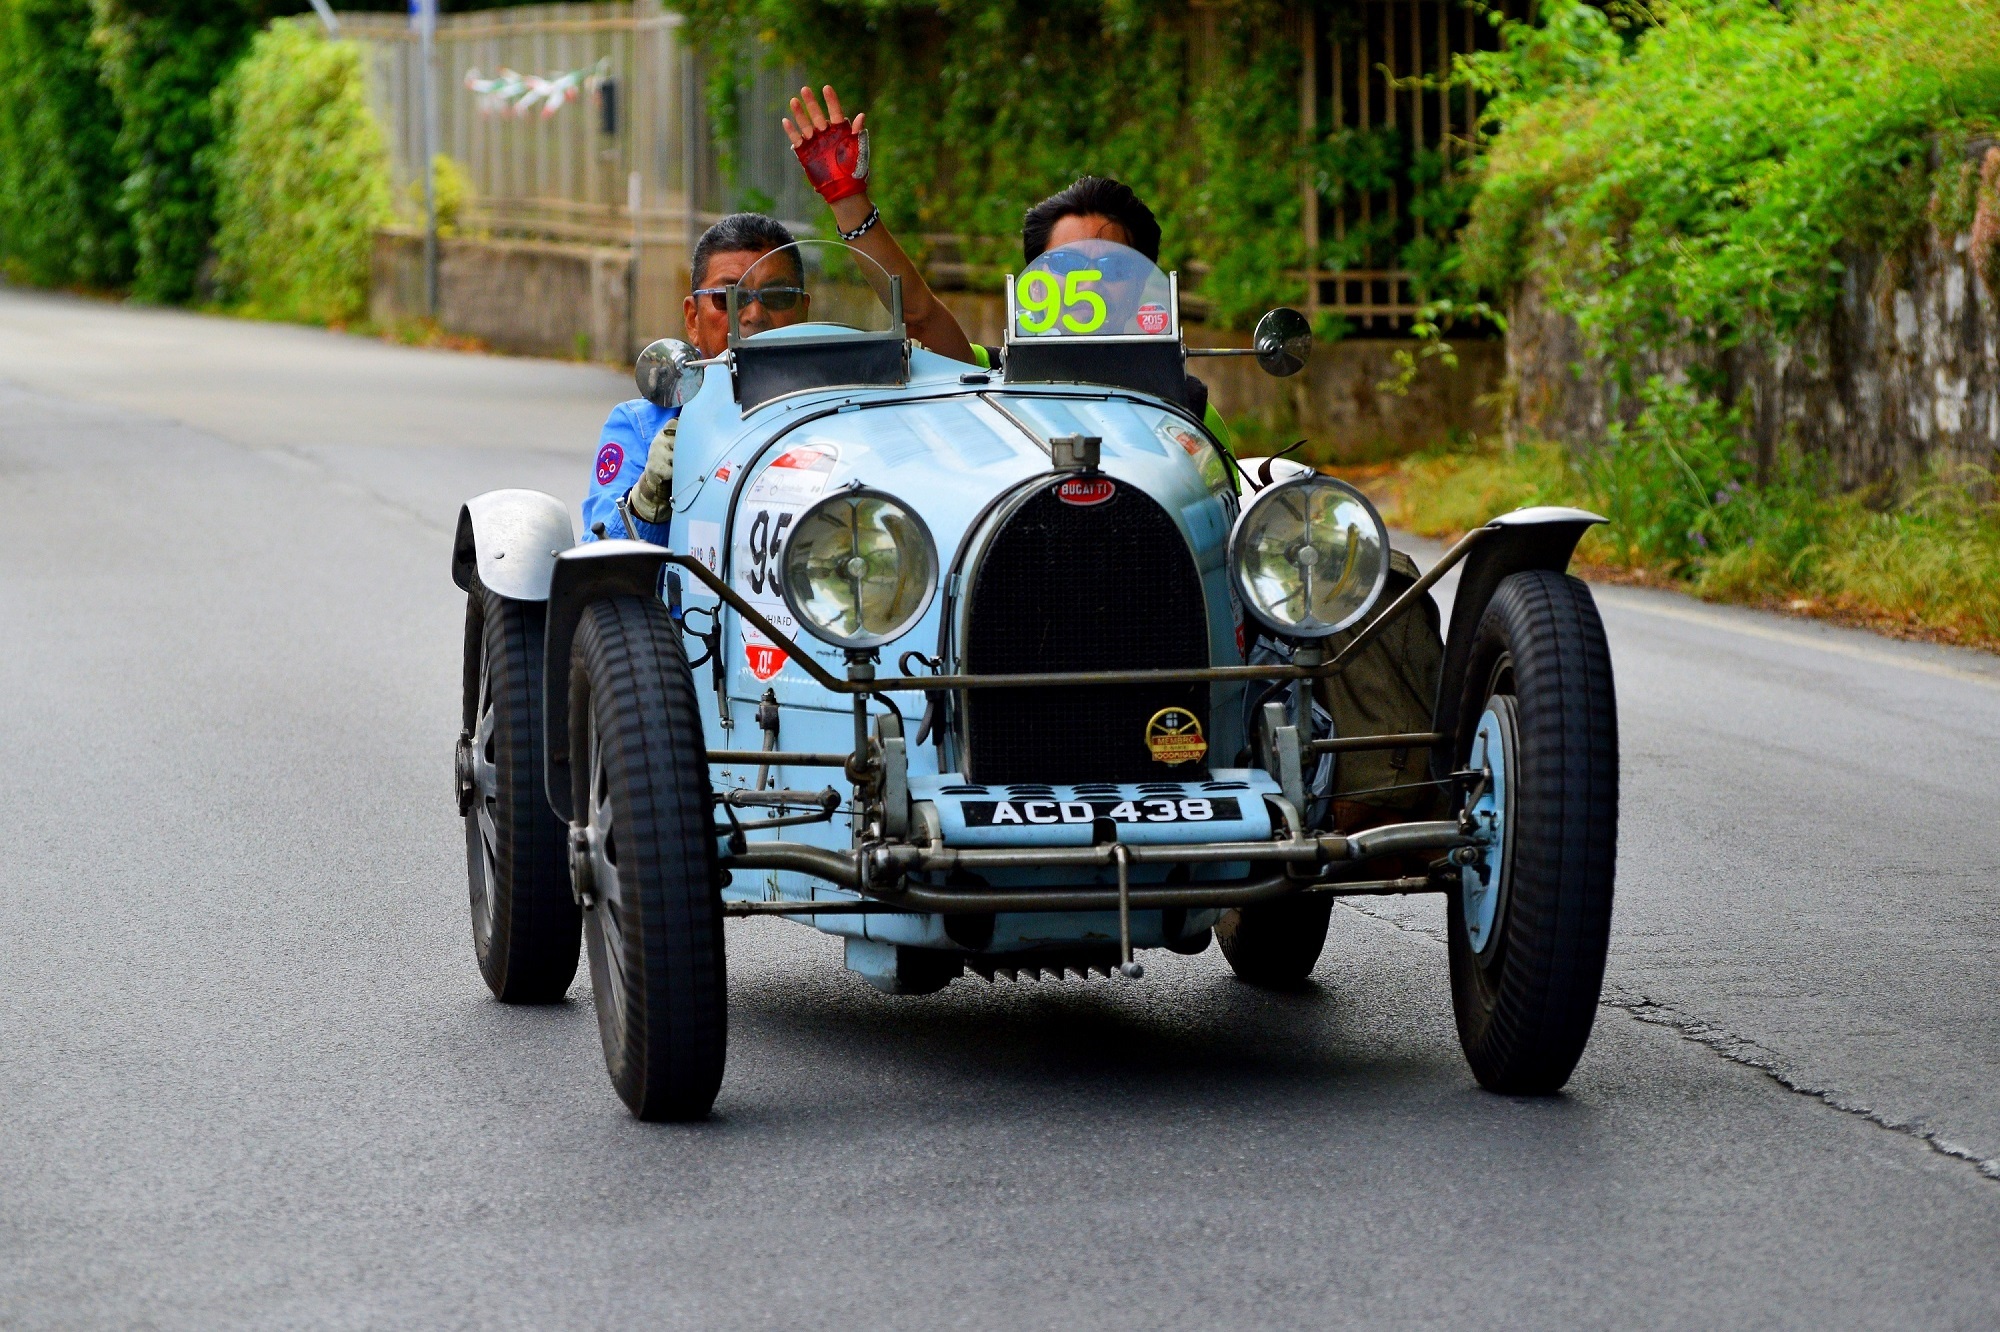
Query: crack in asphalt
{"points": [[1742, 1050]]}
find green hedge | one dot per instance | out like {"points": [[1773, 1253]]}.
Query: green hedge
{"points": [[302, 176], [60, 171], [161, 59], [1691, 171]]}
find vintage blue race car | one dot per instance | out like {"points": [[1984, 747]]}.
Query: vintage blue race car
{"points": [[1015, 673]]}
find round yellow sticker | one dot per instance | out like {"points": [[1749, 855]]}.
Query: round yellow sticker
{"points": [[1173, 736]]}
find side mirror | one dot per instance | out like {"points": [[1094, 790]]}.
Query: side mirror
{"points": [[660, 368], [1284, 342]]}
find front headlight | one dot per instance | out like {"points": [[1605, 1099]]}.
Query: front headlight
{"points": [[1309, 556], [859, 569]]}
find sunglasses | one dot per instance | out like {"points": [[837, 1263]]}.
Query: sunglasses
{"points": [[1115, 265], [775, 299]]}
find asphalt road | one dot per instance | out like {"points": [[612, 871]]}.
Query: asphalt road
{"points": [[249, 1076]]}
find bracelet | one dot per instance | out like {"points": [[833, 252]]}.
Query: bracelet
{"points": [[867, 225]]}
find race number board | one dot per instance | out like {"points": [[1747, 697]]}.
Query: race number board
{"points": [[1092, 289]]}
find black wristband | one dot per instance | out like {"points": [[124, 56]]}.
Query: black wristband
{"points": [[867, 225]]}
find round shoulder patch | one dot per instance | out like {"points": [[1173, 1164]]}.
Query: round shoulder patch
{"points": [[609, 459]]}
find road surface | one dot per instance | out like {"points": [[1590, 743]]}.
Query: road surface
{"points": [[249, 1076]]}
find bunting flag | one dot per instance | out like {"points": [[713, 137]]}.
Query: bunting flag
{"points": [[509, 93]]}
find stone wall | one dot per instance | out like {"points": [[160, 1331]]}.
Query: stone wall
{"points": [[536, 298], [1904, 374]]}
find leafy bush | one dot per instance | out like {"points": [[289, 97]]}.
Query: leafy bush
{"points": [[452, 186], [59, 168], [1684, 507], [162, 59], [302, 177], [1688, 171]]}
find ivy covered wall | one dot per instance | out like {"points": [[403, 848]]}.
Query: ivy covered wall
{"points": [[981, 107]]}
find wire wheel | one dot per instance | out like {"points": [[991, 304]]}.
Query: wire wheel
{"points": [[1530, 927]]}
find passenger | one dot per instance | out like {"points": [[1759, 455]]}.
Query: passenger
{"points": [[635, 450], [1100, 208]]}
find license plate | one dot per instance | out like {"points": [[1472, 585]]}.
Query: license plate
{"points": [[1150, 809]]}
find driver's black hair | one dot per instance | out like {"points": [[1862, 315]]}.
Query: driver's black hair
{"points": [[737, 232], [1092, 194]]}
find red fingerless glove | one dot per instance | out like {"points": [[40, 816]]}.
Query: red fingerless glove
{"points": [[836, 161]]}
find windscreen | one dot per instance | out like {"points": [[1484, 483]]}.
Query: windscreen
{"points": [[1093, 288], [812, 282]]}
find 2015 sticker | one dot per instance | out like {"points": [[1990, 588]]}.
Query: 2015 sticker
{"points": [[1152, 809], [610, 459], [1152, 318]]}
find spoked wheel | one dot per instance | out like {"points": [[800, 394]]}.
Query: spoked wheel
{"points": [[524, 921], [642, 852], [1529, 925]]}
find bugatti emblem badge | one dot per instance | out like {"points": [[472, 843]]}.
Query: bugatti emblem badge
{"points": [[1084, 491], [1174, 736]]}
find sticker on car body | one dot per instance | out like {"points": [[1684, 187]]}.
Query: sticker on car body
{"points": [[771, 504]]}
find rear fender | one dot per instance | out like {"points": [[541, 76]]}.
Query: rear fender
{"points": [[590, 572], [510, 540], [1538, 538]]}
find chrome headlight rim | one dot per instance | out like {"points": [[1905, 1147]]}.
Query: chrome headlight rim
{"points": [[1239, 580], [860, 642]]}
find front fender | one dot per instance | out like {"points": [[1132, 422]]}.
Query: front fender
{"points": [[510, 539], [1537, 538], [588, 573]]}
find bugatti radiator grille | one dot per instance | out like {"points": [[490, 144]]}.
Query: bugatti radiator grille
{"points": [[1100, 586]]}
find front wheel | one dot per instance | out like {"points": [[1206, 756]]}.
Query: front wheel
{"points": [[1530, 924], [642, 851]]}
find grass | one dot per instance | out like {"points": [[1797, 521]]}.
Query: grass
{"points": [[1915, 561]]}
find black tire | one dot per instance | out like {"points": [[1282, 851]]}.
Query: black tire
{"points": [[1275, 944], [525, 923], [645, 855], [1526, 1001]]}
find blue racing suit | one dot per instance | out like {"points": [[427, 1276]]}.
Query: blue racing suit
{"points": [[621, 459]]}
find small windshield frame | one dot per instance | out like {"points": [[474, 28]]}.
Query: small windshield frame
{"points": [[826, 288], [1093, 290]]}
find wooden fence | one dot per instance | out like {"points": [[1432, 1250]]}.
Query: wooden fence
{"points": [[628, 159], [1366, 66]]}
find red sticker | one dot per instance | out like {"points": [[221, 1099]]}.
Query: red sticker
{"points": [[765, 660], [1152, 318], [1086, 490], [807, 456], [722, 472], [609, 459]]}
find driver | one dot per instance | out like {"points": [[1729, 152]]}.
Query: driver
{"points": [[635, 450]]}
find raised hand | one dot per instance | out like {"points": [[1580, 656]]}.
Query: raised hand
{"points": [[833, 150]]}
